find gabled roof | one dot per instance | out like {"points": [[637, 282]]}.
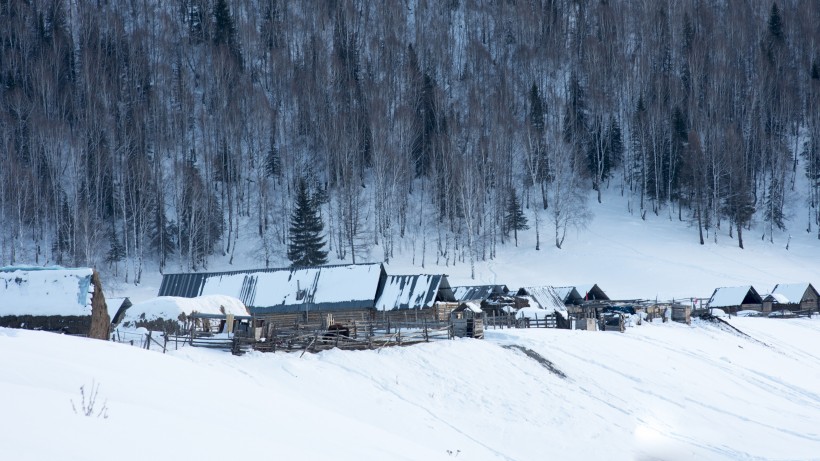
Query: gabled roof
{"points": [[569, 295], [479, 292], [413, 292], [45, 291], [793, 292], [734, 296], [545, 297], [353, 286], [776, 298], [591, 292]]}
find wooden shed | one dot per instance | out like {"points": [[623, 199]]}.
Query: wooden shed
{"points": [[792, 297], [415, 297], [734, 299], [467, 321]]}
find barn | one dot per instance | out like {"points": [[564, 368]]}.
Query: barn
{"points": [[734, 299], [48, 298], [415, 297], [291, 295], [792, 297]]}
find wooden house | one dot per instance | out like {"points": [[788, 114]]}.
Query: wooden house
{"points": [[415, 297], [288, 296], [48, 298], [734, 299], [494, 300], [792, 297]]}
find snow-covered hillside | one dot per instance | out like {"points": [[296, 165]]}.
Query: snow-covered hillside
{"points": [[659, 391], [629, 258]]}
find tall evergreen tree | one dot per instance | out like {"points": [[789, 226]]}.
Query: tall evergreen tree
{"points": [[306, 247], [514, 218]]}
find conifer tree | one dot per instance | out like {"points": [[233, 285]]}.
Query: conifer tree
{"points": [[514, 218], [306, 247]]}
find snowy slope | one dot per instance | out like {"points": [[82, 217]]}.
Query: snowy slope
{"points": [[659, 391], [628, 257]]}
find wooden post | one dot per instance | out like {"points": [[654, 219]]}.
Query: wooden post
{"points": [[148, 341]]}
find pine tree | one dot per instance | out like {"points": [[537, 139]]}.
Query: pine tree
{"points": [[514, 219], [306, 239]]}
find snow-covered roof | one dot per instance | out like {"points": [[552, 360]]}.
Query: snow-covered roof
{"points": [[478, 292], [793, 292], [45, 291], [286, 290], [544, 297], [173, 307], [568, 294], [113, 305], [412, 292], [777, 297], [734, 296], [473, 306]]}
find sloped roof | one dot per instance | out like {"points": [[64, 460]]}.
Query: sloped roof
{"points": [[734, 296], [591, 291], [353, 286], [545, 297], [793, 292], [413, 292], [569, 295], [478, 292], [45, 291], [777, 298]]}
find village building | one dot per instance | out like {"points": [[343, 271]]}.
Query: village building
{"points": [[734, 299], [48, 298], [467, 320], [415, 297], [792, 297], [291, 295], [495, 300]]}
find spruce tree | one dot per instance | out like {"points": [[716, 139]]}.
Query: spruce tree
{"points": [[306, 239], [514, 218]]}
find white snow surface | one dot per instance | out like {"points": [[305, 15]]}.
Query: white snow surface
{"points": [[45, 291], [659, 391], [172, 307]]}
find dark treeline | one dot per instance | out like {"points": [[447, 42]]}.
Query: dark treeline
{"points": [[167, 131]]}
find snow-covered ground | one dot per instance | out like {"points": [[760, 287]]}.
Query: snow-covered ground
{"points": [[659, 391], [629, 258]]}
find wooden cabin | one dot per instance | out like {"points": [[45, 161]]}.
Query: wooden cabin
{"points": [[793, 297], [47, 298], [413, 298], [734, 299]]}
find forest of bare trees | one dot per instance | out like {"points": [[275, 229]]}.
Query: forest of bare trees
{"points": [[147, 132]]}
